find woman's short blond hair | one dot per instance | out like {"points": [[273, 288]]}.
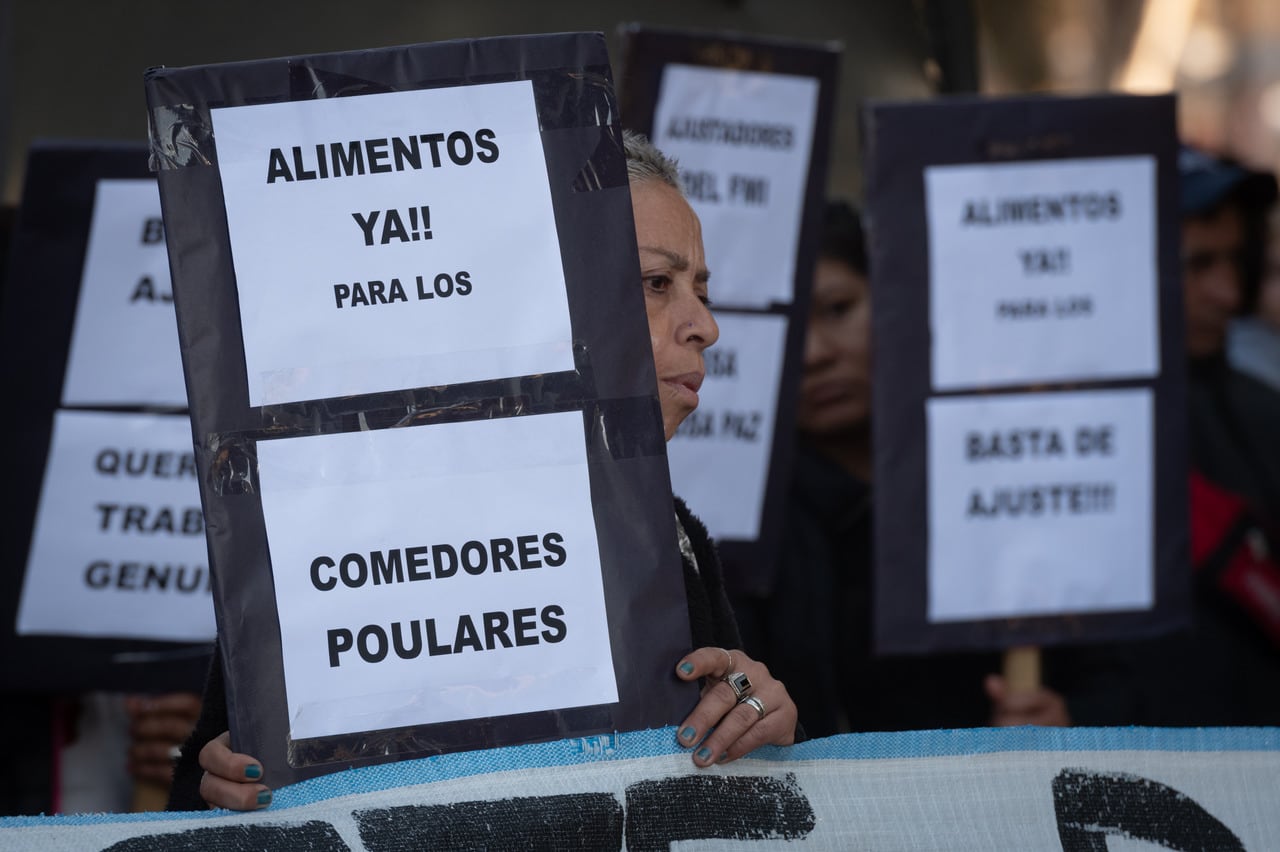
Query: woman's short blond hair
{"points": [[646, 162]]}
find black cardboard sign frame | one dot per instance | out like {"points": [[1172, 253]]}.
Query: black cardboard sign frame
{"points": [[613, 385], [750, 565], [901, 140], [42, 289]]}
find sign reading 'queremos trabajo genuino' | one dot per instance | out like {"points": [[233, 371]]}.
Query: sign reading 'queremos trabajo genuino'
{"points": [[118, 549], [369, 252]]}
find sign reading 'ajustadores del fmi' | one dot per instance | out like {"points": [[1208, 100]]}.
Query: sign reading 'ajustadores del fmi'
{"points": [[366, 260]]}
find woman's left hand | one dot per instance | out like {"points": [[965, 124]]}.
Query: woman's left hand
{"points": [[724, 726]]}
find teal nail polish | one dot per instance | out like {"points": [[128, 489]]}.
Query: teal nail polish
{"points": [[264, 798], [703, 753], [688, 734], [724, 755], [253, 772], [687, 668]]}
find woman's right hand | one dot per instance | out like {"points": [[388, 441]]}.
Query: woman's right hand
{"points": [[231, 780]]}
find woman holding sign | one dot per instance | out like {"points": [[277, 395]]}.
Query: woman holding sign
{"points": [[742, 706]]}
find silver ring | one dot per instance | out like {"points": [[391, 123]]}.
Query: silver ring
{"points": [[739, 683], [728, 654], [175, 753], [756, 703]]}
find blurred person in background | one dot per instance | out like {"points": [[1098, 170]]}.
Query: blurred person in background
{"points": [[1224, 670], [1253, 340], [813, 627]]}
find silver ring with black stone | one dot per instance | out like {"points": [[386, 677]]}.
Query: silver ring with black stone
{"points": [[739, 683]]}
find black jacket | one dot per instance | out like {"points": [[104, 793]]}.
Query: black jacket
{"points": [[814, 626]]}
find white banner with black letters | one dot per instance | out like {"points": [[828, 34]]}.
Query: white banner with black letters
{"points": [[1017, 788]]}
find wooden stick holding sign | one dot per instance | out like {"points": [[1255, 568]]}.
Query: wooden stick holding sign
{"points": [[1022, 669]]}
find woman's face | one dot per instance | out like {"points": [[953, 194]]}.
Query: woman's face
{"points": [[835, 391], [674, 274]]}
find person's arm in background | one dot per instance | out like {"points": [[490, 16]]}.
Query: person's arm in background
{"points": [[158, 725], [1083, 685]]}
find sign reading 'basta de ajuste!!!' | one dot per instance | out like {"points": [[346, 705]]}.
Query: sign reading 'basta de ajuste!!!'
{"points": [[366, 258], [1034, 501], [124, 347]]}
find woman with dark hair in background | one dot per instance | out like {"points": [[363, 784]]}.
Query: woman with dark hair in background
{"points": [[813, 627]]}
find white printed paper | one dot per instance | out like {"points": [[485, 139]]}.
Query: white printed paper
{"points": [[362, 266], [118, 550], [742, 139], [1042, 271], [720, 455], [361, 655], [124, 347], [1040, 504]]}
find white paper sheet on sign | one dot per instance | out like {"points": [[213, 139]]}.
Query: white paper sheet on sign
{"points": [[719, 457], [118, 548], [394, 240], [1042, 271], [511, 498], [742, 139], [1040, 504], [124, 347]]}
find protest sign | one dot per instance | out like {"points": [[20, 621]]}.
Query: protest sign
{"points": [[124, 347], [724, 447], [1073, 789], [108, 579], [427, 427], [118, 549], [1028, 401], [749, 121]]}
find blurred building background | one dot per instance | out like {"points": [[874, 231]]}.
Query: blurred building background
{"points": [[73, 68], [1221, 56]]}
